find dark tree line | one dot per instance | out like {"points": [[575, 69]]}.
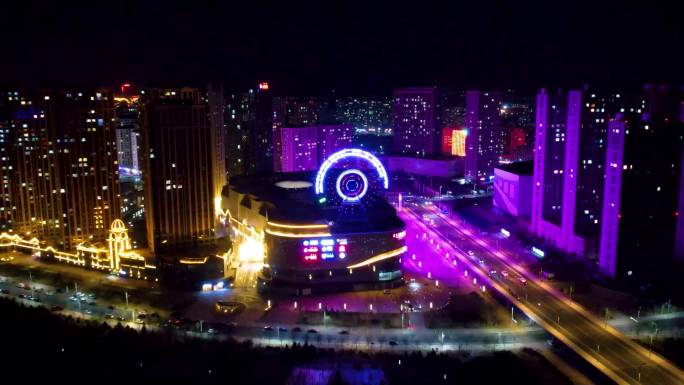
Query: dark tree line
{"points": [[37, 344]]}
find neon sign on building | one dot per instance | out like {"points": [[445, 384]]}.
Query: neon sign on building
{"points": [[324, 249]]}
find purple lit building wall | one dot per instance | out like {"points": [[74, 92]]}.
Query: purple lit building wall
{"points": [[445, 167], [679, 238], [513, 189], [484, 141], [611, 197], [332, 138], [298, 148], [556, 155], [570, 163], [416, 121]]}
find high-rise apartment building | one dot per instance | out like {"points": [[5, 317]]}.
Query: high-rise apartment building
{"points": [[643, 196], [416, 121], [181, 162], [569, 167], [59, 172], [484, 141], [249, 123], [127, 134]]}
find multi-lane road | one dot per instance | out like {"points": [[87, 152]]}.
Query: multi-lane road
{"points": [[503, 270]]}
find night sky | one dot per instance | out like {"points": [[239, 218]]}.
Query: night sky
{"points": [[355, 49]]}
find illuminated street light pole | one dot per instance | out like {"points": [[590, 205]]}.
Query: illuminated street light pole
{"points": [[31, 284]]}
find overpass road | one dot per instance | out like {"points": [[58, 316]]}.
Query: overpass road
{"points": [[501, 269]]}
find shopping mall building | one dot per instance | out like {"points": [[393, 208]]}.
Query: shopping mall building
{"points": [[330, 230]]}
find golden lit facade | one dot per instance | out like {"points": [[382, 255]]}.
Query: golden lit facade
{"points": [[59, 168], [300, 247], [182, 165], [117, 258]]}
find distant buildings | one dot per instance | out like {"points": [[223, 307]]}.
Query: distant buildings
{"points": [[484, 140], [181, 167], [291, 111], [249, 121], [416, 121], [58, 169], [366, 115], [517, 138]]}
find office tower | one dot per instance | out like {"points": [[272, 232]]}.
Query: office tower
{"points": [[249, 131], [366, 115], [569, 158], [298, 150], [181, 167], [484, 140], [60, 180], [517, 112], [416, 121], [127, 135], [642, 196]]}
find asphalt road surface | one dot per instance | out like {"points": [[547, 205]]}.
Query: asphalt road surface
{"points": [[620, 358]]}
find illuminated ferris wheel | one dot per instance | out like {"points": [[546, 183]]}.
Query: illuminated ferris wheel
{"points": [[350, 176]]}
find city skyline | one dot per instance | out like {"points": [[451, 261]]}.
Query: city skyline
{"points": [[353, 193]]}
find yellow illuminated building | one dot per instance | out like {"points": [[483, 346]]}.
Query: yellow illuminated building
{"points": [[117, 257], [458, 138]]}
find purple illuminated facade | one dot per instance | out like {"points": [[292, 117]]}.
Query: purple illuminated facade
{"points": [[332, 138], [556, 162], [416, 121], [297, 148], [484, 141], [611, 197], [513, 189], [607, 177], [442, 167], [304, 148]]}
